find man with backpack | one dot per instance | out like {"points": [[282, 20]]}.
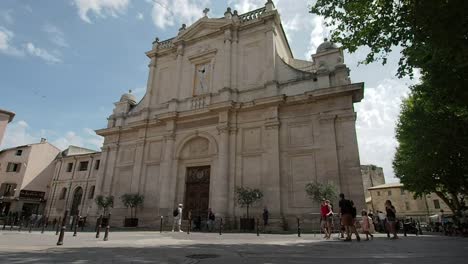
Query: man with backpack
{"points": [[177, 214], [346, 211]]}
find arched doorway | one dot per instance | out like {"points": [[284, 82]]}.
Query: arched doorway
{"points": [[77, 195]]}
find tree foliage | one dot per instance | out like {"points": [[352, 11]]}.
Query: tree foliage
{"points": [[433, 152], [132, 200], [247, 196], [318, 191], [104, 203]]}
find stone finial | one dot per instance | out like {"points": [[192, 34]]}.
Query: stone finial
{"points": [[235, 13], [183, 27], [269, 5], [155, 43], [228, 14], [205, 12], [130, 91]]}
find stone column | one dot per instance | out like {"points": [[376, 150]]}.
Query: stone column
{"points": [[272, 172], [270, 58], [221, 179], [150, 84], [179, 64], [227, 58], [165, 202], [137, 168], [327, 160]]}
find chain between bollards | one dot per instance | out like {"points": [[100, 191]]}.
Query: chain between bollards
{"points": [[160, 224], [62, 229], [256, 224], [220, 226], [106, 234], [75, 224], [298, 227], [98, 226]]}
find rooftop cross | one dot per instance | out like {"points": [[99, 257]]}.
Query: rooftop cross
{"points": [[205, 11]]}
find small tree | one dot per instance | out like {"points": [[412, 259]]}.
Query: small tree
{"points": [[104, 203], [132, 200], [318, 191], [247, 196]]}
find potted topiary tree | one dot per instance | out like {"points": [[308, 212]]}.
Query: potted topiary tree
{"points": [[132, 201], [245, 198], [104, 203]]}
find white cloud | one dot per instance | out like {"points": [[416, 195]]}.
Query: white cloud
{"points": [[100, 8], [243, 6], [169, 12], [20, 133], [317, 34], [140, 16], [41, 53], [56, 35], [6, 46], [377, 116]]}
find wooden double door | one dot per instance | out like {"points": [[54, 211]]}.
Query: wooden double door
{"points": [[197, 192]]}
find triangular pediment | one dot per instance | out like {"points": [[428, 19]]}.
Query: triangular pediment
{"points": [[202, 27]]}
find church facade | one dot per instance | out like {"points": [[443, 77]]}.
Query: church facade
{"points": [[228, 105]]}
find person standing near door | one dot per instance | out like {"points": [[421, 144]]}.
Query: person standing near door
{"points": [[211, 220], [177, 213]]}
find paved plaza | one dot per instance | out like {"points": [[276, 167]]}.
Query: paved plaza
{"points": [[153, 247]]}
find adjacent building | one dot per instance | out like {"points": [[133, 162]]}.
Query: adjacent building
{"points": [[371, 176], [226, 105], [74, 182], [405, 203], [5, 118], [25, 174]]}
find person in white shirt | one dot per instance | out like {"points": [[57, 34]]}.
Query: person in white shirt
{"points": [[177, 218]]}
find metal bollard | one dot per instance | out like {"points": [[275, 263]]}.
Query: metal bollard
{"points": [[160, 224], [75, 226], [12, 223], [106, 234], [189, 224], [44, 224], [58, 226], [298, 227], [220, 226], [98, 226], [258, 231], [62, 229]]}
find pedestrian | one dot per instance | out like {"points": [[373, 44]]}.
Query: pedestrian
{"points": [[391, 218], [177, 213], [326, 217], [366, 225], [353, 227], [265, 216], [211, 220], [346, 211]]}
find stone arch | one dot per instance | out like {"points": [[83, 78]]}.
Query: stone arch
{"points": [[197, 138], [76, 200]]}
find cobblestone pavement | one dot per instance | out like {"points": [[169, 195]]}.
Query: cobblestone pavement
{"points": [[153, 247]]}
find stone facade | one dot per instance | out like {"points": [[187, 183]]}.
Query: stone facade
{"points": [[371, 176], [5, 118], [227, 93], [25, 175], [405, 203], [74, 182]]}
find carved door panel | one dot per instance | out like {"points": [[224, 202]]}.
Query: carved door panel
{"points": [[197, 192]]}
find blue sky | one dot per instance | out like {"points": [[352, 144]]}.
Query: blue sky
{"points": [[64, 63]]}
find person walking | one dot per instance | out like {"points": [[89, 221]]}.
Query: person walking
{"points": [[391, 218], [346, 211], [366, 225], [265, 216], [211, 220], [177, 213], [326, 218], [353, 227]]}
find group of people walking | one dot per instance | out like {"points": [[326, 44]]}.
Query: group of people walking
{"points": [[348, 214]]}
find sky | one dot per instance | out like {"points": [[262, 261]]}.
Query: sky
{"points": [[64, 63]]}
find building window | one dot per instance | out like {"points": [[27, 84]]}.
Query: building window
{"points": [[84, 165], [91, 192], [389, 193], [63, 194], [13, 167], [8, 189], [69, 167], [402, 192], [407, 206], [96, 164], [436, 204], [378, 193], [19, 152]]}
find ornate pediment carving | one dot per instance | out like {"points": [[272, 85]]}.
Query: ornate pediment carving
{"points": [[203, 27]]}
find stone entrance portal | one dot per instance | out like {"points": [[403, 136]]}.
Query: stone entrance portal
{"points": [[197, 192], [76, 201]]}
